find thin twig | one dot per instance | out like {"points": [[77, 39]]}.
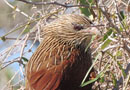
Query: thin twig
{"points": [[32, 21], [11, 62], [56, 3], [120, 81], [5, 86], [110, 21], [11, 38], [111, 47], [17, 9], [23, 46], [118, 14]]}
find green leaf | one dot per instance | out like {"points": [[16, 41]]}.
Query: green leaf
{"points": [[83, 81], [118, 53], [25, 59], [93, 37], [85, 11], [102, 79], [27, 28], [107, 42], [121, 28], [108, 33], [93, 80]]}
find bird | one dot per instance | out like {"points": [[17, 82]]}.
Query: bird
{"points": [[61, 61]]}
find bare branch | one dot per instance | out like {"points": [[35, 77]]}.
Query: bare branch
{"points": [[17, 9], [56, 3]]}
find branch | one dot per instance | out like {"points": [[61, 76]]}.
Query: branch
{"points": [[110, 21], [11, 38], [56, 3], [17, 9], [9, 63], [120, 81]]}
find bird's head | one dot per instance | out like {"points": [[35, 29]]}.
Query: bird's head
{"points": [[70, 29]]}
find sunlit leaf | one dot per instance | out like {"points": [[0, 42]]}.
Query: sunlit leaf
{"points": [[121, 28], [83, 83], [118, 53], [27, 29], [93, 80], [107, 42], [109, 32]]}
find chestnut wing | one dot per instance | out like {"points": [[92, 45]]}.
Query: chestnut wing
{"points": [[49, 77]]}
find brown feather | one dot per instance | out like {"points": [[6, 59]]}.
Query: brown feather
{"points": [[60, 62]]}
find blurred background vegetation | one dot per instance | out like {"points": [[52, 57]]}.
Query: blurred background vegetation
{"points": [[20, 34]]}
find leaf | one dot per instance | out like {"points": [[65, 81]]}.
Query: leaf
{"points": [[27, 28], [118, 53], [121, 28], [102, 79], [85, 11], [93, 80], [83, 81], [25, 59], [93, 37], [109, 32], [107, 42]]}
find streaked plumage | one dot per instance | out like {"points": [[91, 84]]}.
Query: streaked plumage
{"points": [[60, 62]]}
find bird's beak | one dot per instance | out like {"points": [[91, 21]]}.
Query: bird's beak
{"points": [[93, 31]]}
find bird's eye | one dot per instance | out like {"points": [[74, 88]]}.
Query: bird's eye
{"points": [[78, 27]]}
